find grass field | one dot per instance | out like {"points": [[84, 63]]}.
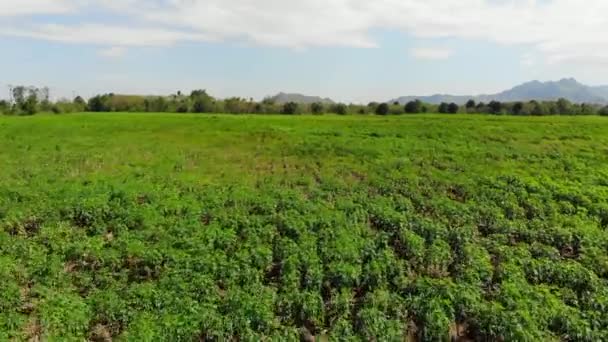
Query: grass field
{"points": [[151, 227]]}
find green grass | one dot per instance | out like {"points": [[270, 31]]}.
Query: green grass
{"points": [[187, 227]]}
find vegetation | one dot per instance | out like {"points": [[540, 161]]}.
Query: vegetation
{"points": [[202, 227], [31, 100]]}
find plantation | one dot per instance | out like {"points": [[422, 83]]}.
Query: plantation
{"points": [[146, 227]]}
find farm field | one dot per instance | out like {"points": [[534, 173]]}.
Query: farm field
{"points": [[147, 227]]}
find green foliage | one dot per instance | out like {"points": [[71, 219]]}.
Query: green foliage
{"points": [[4, 107], [290, 108], [413, 107], [201, 102], [443, 108], [453, 108], [495, 107], [138, 227], [31, 100], [382, 109], [317, 108], [339, 109]]}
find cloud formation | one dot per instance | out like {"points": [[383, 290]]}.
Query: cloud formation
{"points": [[12, 8], [560, 30]]}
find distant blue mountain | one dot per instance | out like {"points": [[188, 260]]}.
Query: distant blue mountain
{"points": [[299, 98], [567, 88]]}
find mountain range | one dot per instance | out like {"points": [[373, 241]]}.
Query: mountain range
{"points": [[282, 98], [567, 88]]}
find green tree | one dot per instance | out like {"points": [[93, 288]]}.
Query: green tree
{"points": [[537, 108], [4, 107], [235, 105], [587, 109], [518, 108], [443, 108], [604, 111], [30, 106], [79, 104], [339, 108], [564, 106], [413, 107], [372, 106], [201, 101], [290, 108], [156, 104], [495, 107], [453, 108], [470, 104], [317, 108], [382, 109]]}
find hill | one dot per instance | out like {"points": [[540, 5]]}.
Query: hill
{"points": [[299, 98], [567, 88]]}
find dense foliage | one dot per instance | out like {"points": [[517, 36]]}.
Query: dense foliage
{"points": [[181, 228], [30, 100]]}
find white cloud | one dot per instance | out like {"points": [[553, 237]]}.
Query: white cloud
{"points": [[431, 53], [558, 30], [106, 35], [113, 52], [10, 8]]}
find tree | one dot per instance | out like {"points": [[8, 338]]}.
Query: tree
{"points": [[518, 108], [495, 107], [290, 108], [156, 104], [372, 106], [453, 108], [79, 103], [443, 108], [235, 105], [339, 109], [537, 108], [604, 111], [564, 106], [201, 101], [43, 98], [4, 107], [317, 108], [382, 109], [413, 107], [587, 109], [18, 94], [99, 103], [30, 106], [470, 104]]}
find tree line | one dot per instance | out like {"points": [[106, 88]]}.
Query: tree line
{"points": [[32, 100]]}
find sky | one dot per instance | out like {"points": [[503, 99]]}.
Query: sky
{"points": [[349, 50]]}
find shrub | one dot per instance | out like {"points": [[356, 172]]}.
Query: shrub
{"points": [[382, 109]]}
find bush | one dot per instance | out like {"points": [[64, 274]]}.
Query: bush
{"points": [[290, 108], [339, 109], [382, 109], [453, 108], [317, 108], [413, 107]]}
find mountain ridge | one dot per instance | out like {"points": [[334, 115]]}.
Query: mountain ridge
{"points": [[568, 88], [282, 98]]}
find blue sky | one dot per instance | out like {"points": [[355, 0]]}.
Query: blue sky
{"points": [[350, 50]]}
